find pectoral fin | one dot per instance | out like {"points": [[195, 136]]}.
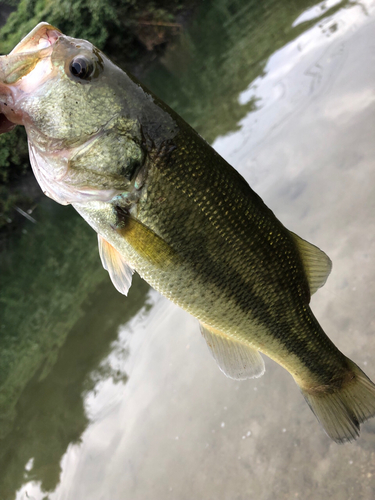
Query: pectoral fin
{"points": [[119, 271], [316, 263], [236, 359], [147, 243]]}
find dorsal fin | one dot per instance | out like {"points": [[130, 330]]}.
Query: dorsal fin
{"points": [[119, 271], [317, 264], [238, 360]]}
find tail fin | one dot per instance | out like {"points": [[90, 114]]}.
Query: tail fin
{"points": [[341, 410]]}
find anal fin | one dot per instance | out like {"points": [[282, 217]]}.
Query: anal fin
{"points": [[119, 271], [236, 359]]}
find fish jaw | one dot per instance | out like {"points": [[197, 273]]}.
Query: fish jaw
{"points": [[42, 36], [24, 70], [27, 67], [52, 171]]}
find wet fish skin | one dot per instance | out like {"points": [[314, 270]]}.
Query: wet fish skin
{"points": [[165, 204]]}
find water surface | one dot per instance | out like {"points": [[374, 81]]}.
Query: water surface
{"points": [[106, 397]]}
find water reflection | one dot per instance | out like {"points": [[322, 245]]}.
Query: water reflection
{"points": [[226, 48], [46, 274], [109, 399], [52, 412], [57, 331], [318, 11]]}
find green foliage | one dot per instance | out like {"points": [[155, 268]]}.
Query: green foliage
{"points": [[100, 21], [13, 153], [84, 19], [14, 162]]}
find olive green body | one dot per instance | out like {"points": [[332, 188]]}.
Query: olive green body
{"points": [[238, 269]]}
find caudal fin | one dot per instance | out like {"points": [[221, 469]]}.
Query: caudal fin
{"points": [[342, 410]]}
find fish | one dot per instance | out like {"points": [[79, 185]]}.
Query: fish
{"points": [[165, 204]]}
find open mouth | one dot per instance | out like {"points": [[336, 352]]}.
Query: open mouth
{"points": [[23, 70], [42, 36]]}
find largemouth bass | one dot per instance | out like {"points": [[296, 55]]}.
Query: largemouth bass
{"points": [[166, 205]]}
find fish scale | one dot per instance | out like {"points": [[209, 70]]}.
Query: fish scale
{"points": [[234, 277]]}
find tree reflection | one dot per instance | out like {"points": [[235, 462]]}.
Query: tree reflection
{"points": [[50, 412], [226, 48]]}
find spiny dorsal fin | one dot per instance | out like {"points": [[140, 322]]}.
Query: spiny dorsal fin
{"points": [[316, 263], [119, 271], [236, 359]]}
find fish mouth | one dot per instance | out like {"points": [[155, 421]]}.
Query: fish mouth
{"points": [[42, 36], [23, 69]]}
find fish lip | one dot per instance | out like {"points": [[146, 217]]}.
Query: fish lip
{"points": [[42, 36], [34, 48]]}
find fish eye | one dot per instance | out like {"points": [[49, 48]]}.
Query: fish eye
{"points": [[81, 67]]}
